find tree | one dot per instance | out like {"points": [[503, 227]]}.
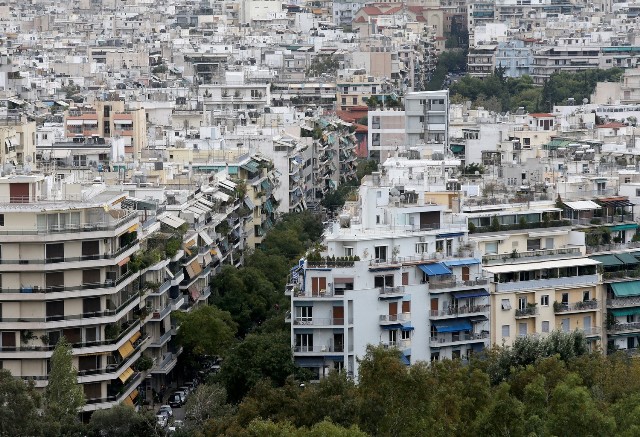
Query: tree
{"points": [[206, 330], [209, 401], [505, 415], [64, 397], [262, 428], [259, 356], [19, 403], [122, 420]]}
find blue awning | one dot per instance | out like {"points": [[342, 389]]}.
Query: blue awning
{"points": [[450, 235], [462, 262], [309, 361], [407, 327], [334, 358], [434, 269], [452, 325], [392, 327], [473, 293], [404, 359], [477, 347]]}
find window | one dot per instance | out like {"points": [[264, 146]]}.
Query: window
{"points": [[393, 337], [491, 248], [526, 141], [405, 335], [586, 296], [55, 310], [549, 243], [422, 247], [565, 298], [565, 325], [405, 280], [544, 300], [533, 244], [1, 219], [522, 303], [304, 314], [505, 331], [380, 253], [304, 342], [506, 304], [383, 281], [377, 219], [522, 329], [348, 251], [435, 356], [545, 326]]}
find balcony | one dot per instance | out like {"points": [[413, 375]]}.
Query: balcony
{"points": [[443, 340], [110, 401], [317, 321], [625, 327], [387, 292], [167, 363], [589, 305], [390, 319], [586, 280], [530, 255], [164, 338], [460, 311], [317, 349], [622, 302], [107, 225], [454, 283], [524, 313]]}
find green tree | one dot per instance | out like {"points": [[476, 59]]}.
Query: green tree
{"points": [[261, 428], [505, 415], [259, 356], [366, 167], [123, 420], [19, 403], [63, 395], [207, 330]]}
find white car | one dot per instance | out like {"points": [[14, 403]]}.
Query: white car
{"points": [[177, 424], [166, 409], [182, 395], [162, 419]]}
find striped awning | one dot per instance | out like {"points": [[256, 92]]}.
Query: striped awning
{"points": [[126, 349], [126, 375], [135, 337]]}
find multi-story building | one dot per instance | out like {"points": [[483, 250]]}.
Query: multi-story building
{"points": [[427, 119], [396, 272], [386, 133]]}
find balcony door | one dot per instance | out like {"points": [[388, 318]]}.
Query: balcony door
{"points": [[338, 315], [393, 310]]}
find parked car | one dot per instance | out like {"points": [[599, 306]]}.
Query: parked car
{"points": [[183, 396], [192, 386], [176, 424], [186, 389], [175, 400], [162, 419], [166, 409]]}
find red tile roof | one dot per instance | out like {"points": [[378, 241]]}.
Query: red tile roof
{"points": [[371, 10], [541, 115], [611, 125]]}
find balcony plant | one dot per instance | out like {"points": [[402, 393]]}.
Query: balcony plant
{"points": [[112, 331], [557, 306], [143, 363], [26, 337], [44, 338]]}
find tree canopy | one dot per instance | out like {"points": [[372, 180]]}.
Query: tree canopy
{"points": [[206, 330]]}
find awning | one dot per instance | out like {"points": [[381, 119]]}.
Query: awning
{"points": [[472, 293], [127, 401], [407, 327], [434, 269], [608, 260], [309, 361], [450, 235], [527, 267], [124, 261], [457, 148], [624, 227], [250, 166], [461, 262], [620, 312], [221, 196], [74, 123], [626, 289], [627, 258], [227, 185], [135, 336], [126, 349], [62, 103], [205, 202], [582, 205], [342, 281], [452, 325], [173, 221], [126, 375], [404, 359], [133, 395], [392, 327], [206, 238], [249, 203]]}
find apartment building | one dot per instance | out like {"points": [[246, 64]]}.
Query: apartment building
{"points": [[427, 119], [67, 273], [539, 280], [397, 272], [386, 133]]}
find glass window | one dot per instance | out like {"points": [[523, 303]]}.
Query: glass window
{"points": [[505, 331], [545, 326]]}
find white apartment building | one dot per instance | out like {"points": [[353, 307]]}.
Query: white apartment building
{"points": [[427, 119], [396, 271]]}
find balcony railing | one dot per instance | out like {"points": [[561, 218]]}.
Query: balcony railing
{"points": [[133, 382], [316, 321], [395, 318], [52, 260], [443, 340], [623, 327], [576, 306], [70, 228], [621, 302], [159, 315], [460, 311], [318, 349], [57, 289], [527, 312], [454, 283], [399, 289], [526, 256]]}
